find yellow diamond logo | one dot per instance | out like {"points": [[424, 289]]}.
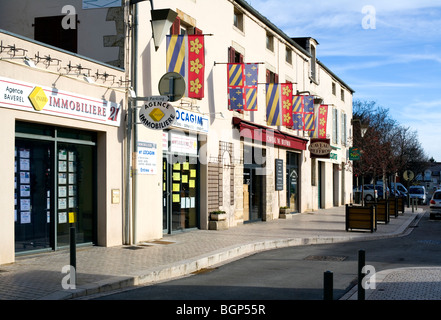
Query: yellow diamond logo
{"points": [[156, 114], [38, 98]]}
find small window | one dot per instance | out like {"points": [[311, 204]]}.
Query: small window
{"points": [[313, 63], [271, 77], [270, 42], [288, 55], [342, 93], [49, 30], [334, 89], [238, 19]]}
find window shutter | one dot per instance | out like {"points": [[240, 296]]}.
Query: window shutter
{"points": [[276, 78], [197, 31], [176, 27], [268, 76], [231, 54]]}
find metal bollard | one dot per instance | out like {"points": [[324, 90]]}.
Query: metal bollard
{"points": [[73, 252], [328, 286], [361, 275]]}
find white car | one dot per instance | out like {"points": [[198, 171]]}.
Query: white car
{"points": [[435, 205], [418, 192]]}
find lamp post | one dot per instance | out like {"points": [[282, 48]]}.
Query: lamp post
{"points": [[363, 130]]}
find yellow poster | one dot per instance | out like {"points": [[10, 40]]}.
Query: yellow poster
{"points": [[176, 166], [71, 217], [192, 184], [176, 176], [176, 198], [193, 173], [184, 179], [186, 166], [176, 187]]}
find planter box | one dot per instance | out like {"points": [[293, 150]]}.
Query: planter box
{"points": [[381, 210], [358, 217], [393, 206], [218, 216], [285, 214], [217, 225]]}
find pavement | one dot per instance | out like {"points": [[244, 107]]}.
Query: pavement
{"points": [[101, 270]]}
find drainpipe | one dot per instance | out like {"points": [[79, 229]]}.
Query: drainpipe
{"points": [[135, 111]]}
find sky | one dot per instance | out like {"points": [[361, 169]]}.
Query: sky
{"points": [[387, 51]]}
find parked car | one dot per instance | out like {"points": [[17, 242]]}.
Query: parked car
{"points": [[418, 192], [400, 188], [380, 191], [435, 205], [369, 193]]}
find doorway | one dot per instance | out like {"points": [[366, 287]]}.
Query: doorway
{"points": [[254, 186], [180, 193], [55, 187], [292, 180]]}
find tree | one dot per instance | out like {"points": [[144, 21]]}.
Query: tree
{"points": [[387, 147]]}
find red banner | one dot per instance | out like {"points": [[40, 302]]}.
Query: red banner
{"points": [[196, 66]]}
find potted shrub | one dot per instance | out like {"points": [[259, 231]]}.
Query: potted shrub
{"points": [[218, 215], [284, 212]]}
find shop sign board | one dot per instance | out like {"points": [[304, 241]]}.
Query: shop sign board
{"points": [[157, 113], [320, 148], [25, 96], [181, 143], [191, 121], [146, 158], [279, 174]]}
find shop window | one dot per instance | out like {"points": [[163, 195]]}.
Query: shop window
{"points": [[55, 187], [49, 30]]}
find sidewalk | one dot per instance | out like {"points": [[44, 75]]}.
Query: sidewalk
{"points": [[99, 269]]}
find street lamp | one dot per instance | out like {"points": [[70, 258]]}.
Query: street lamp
{"points": [[162, 20], [363, 130]]}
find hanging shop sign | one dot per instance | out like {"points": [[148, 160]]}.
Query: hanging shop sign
{"points": [[320, 148], [354, 153], [191, 121], [25, 96], [157, 113]]}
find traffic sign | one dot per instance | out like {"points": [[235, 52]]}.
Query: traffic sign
{"points": [[408, 175], [172, 85]]}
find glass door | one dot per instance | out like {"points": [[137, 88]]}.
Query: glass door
{"points": [[75, 198], [254, 185], [180, 194], [33, 198], [292, 181]]}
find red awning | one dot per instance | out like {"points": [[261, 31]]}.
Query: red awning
{"points": [[268, 135]]}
